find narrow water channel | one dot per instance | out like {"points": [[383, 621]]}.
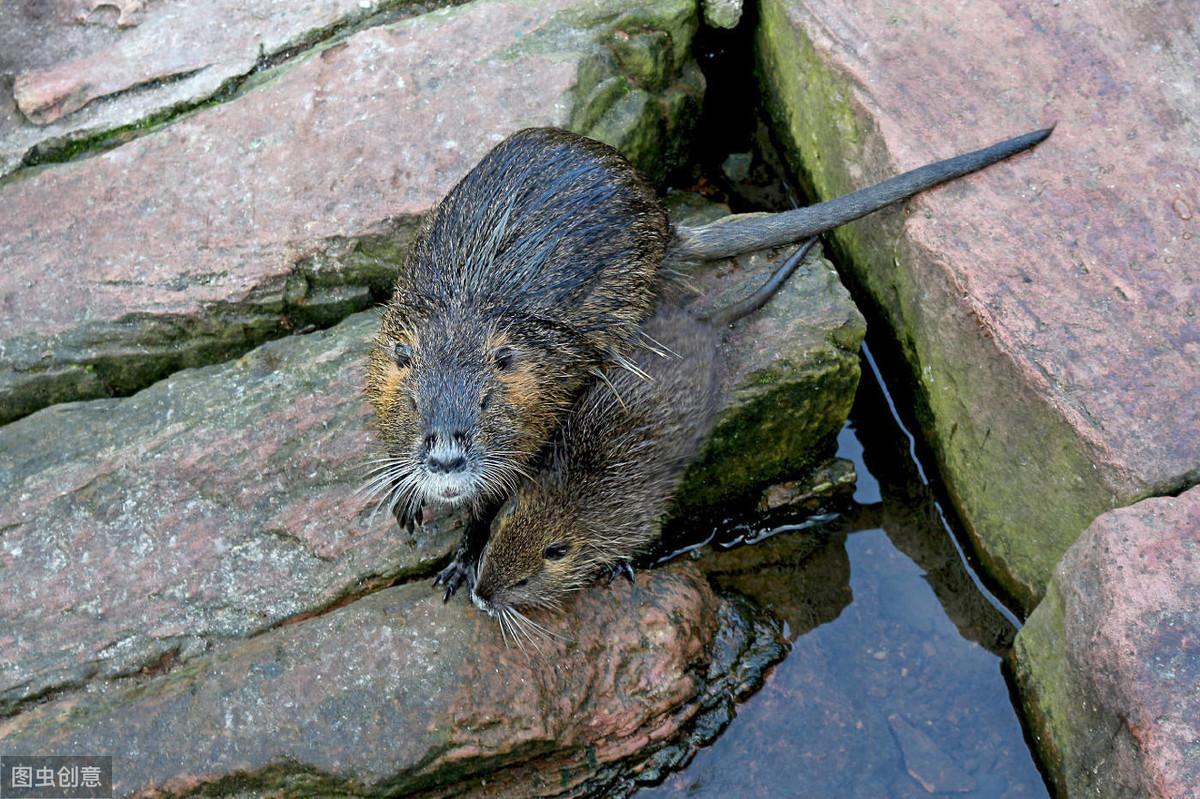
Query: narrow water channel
{"points": [[893, 687]]}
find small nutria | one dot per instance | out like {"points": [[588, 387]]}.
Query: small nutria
{"points": [[535, 271], [612, 469]]}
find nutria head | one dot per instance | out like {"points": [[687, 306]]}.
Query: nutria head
{"points": [[463, 403], [536, 269], [536, 555]]}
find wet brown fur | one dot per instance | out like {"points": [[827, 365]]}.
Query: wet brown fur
{"points": [[613, 468], [610, 474], [550, 246]]}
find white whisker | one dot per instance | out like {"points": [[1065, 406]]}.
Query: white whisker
{"points": [[603, 377]]}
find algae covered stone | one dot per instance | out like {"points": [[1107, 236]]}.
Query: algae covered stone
{"points": [[1109, 662], [1053, 364]]}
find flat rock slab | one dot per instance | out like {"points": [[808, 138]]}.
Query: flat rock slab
{"points": [[398, 693], [79, 68], [289, 205], [1048, 305], [215, 505], [1109, 663]]}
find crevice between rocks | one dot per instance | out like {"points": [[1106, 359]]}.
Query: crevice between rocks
{"points": [[362, 588]]}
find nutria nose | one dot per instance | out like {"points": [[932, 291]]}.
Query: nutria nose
{"points": [[446, 451], [445, 462]]}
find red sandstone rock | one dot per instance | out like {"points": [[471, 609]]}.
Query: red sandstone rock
{"points": [[1109, 663], [212, 506], [79, 68], [170, 41], [398, 693], [1048, 305]]}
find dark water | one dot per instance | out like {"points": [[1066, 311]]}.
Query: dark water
{"points": [[893, 687]]}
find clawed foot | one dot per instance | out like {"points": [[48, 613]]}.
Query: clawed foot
{"points": [[623, 568], [453, 577], [410, 518]]}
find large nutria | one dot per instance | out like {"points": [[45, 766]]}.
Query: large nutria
{"points": [[535, 271], [611, 471]]}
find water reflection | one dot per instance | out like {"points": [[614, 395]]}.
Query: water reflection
{"points": [[893, 687]]}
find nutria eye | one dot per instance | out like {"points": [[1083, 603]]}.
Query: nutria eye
{"points": [[486, 401], [402, 354], [505, 357], [521, 583], [556, 551]]}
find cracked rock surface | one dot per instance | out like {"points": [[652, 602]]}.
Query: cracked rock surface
{"points": [[398, 693]]}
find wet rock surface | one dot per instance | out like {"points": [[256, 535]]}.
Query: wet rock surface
{"points": [[789, 375], [289, 205], [211, 506], [1047, 306], [1109, 662], [397, 693]]}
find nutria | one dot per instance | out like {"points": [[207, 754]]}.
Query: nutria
{"points": [[612, 469], [532, 273]]}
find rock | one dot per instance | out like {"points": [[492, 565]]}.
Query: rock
{"points": [[925, 762], [791, 370], [723, 13], [836, 477], [148, 62], [290, 204], [215, 505], [736, 166], [398, 692], [1108, 664], [1047, 306]]}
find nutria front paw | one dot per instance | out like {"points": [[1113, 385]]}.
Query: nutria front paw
{"points": [[454, 576], [622, 568], [410, 517]]}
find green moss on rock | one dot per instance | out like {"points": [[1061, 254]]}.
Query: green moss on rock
{"points": [[793, 372], [1019, 475]]}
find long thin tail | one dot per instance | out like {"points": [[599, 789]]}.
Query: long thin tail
{"points": [[743, 307], [737, 234]]}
